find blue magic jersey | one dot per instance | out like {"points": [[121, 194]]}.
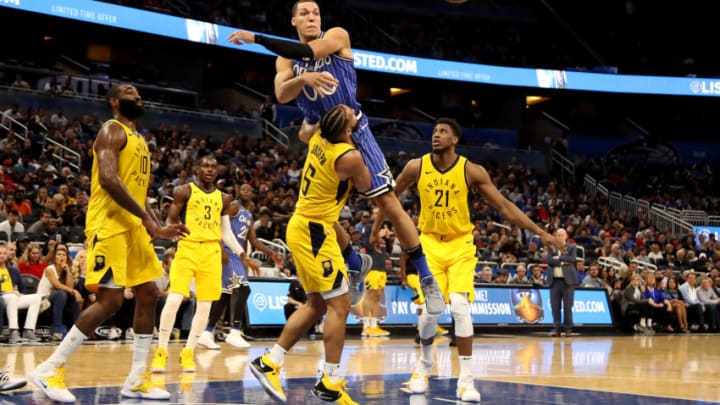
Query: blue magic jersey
{"points": [[234, 271], [311, 104]]}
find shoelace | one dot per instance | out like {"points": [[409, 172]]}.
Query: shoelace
{"points": [[57, 380], [4, 377]]}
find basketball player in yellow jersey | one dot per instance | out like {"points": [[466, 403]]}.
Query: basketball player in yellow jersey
{"points": [[120, 253], [332, 166], [207, 214], [443, 180]]}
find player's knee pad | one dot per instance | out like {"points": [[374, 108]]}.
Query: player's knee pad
{"points": [[460, 308], [427, 325]]}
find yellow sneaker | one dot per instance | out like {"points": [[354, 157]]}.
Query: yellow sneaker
{"points": [[367, 331], [159, 360], [441, 331], [268, 374], [332, 392], [52, 383], [143, 388], [187, 360], [379, 332]]}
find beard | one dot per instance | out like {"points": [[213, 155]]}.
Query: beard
{"points": [[130, 109]]}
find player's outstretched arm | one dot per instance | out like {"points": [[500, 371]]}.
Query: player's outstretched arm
{"points": [[477, 176], [334, 40]]}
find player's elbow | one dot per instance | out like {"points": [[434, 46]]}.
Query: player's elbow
{"points": [[283, 98]]}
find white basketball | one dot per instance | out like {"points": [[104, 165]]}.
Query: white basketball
{"points": [[330, 91]]}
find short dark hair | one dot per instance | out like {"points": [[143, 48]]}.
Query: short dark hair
{"points": [[114, 92], [295, 5], [14, 212], [456, 128], [334, 123]]}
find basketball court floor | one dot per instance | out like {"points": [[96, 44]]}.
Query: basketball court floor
{"points": [[509, 369]]}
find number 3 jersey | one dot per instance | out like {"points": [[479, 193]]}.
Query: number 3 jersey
{"points": [[105, 217], [444, 206], [322, 193], [202, 215], [313, 105]]}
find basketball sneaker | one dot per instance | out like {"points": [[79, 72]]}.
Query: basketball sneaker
{"points": [[418, 383], [187, 360], [158, 362], [434, 301], [268, 374], [52, 382], [332, 392], [143, 388], [236, 339], [466, 391], [367, 331], [441, 331], [207, 340], [379, 332], [8, 383]]}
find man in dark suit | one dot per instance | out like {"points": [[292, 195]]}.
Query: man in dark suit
{"points": [[562, 279]]}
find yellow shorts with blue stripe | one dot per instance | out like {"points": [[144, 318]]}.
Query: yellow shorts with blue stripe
{"points": [[128, 258], [452, 262], [375, 280], [318, 259]]}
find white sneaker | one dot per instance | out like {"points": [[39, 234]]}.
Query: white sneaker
{"points": [[143, 388], [434, 300], [418, 383], [235, 338], [129, 334], [467, 392], [8, 383], [52, 383], [207, 340]]}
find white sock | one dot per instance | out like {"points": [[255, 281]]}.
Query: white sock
{"points": [[167, 318], [332, 372], [277, 354], [426, 359], [141, 348], [373, 322], [465, 368], [69, 344], [643, 322], [199, 322], [366, 322]]}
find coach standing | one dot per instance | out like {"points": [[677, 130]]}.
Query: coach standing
{"points": [[562, 279]]}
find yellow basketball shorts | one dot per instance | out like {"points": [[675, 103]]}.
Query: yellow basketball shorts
{"points": [[128, 257], [318, 259], [375, 280], [199, 260], [452, 262], [413, 281]]}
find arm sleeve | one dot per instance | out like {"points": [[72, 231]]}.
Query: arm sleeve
{"points": [[286, 49], [228, 236]]}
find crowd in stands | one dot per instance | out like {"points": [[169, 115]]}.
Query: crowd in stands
{"points": [[43, 211]]}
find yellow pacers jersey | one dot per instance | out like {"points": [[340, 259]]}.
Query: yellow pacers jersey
{"points": [[105, 217], [322, 193], [443, 198], [202, 215], [6, 284]]}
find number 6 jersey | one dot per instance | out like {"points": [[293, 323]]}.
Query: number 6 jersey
{"points": [[105, 217], [322, 193]]}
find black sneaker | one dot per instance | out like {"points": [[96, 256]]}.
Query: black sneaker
{"points": [[268, 374]]}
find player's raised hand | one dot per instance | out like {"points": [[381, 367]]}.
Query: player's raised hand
{"points": [[241, 37], [554, 241], [324, 83]]}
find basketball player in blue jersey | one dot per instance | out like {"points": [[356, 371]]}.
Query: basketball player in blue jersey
{"points": [[318, 73], [235, 287]]}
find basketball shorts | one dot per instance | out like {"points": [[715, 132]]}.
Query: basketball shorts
{"points": [[452, 262], [413, 281], [319, 262], [127, 259], [233, 273], [374, 158], [375, 280], [201, 260]]}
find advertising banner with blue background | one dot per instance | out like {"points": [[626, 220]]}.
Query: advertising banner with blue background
{"points": [[501, 305], [214, 34]]}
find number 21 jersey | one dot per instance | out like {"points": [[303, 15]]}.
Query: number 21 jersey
{"points": [[444, 206]]}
